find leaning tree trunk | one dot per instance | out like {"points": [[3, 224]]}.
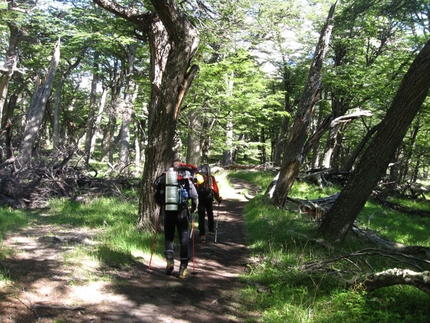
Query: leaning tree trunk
{"points": [[374, 162], [293, 153], [37, 109]]}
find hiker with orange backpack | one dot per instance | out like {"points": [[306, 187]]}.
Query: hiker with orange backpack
{"points": [[207, 190], [174, 189]]}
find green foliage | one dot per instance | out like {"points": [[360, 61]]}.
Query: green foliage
{"points": [[280, 242], [231, 94]]}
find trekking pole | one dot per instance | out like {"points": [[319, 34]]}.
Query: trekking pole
{"points": [[192, 227], [192, 242], [155, 240], [216, 225]]}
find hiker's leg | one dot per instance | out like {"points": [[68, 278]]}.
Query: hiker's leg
{"points": [[201, 212], [169, 234], [209, 210], [169, 230], [183, 227], [183, 230]]}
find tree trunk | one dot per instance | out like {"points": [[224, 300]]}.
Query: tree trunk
{"points": [[56, 117], [124, 135], [138, 144], [293, 153], [374, 162], [57, 111], [37, 108], [282, 139], [90, 131], [127, 110], [409, 151], [205, 141], [227, 158], [7, 128], [330, 145], [353, 157], [193, 141], [173, 42], [262, 147], [7, 71], [109, 131], [98, 120], [9, 67]]}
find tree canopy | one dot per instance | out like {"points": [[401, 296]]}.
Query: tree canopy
{"points": [[138, 84]]}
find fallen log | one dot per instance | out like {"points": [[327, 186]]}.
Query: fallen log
{"points": [[395, 276], [316, 209]]}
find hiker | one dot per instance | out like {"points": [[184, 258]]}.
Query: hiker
{"points": [[207, 190], [174, 188]]}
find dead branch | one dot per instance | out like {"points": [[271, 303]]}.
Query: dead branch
{"points": [[58, 307], [392, 246], [38, 182], [373, 281], [395, 276], [316, 209], [399, 257]]}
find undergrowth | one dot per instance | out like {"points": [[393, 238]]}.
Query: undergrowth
{"points": [[283, 244]]}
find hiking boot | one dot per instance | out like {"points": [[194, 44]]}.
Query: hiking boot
{"points": [[203, 239], [169, 264], [169, 268], [183, 272]]}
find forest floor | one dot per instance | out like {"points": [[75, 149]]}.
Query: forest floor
{"points": [[48, 288]]}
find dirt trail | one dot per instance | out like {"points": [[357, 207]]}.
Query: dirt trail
{"points": [[51, 290]]}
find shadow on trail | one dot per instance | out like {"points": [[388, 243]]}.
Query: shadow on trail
{"points": [[50, 290], [210, 293]]}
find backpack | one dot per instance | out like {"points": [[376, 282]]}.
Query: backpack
{"points": [[204, 181], [172, 188]]}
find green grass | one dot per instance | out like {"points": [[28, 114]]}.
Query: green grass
{"points": [[119, 242], [396, 226], [10, 220], [4, 277], [280, 244]]}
